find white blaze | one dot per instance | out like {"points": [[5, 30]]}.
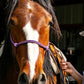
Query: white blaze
{"points": [[33, 49]]}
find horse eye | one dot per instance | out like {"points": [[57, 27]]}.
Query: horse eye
{"points": [[12, 22]]}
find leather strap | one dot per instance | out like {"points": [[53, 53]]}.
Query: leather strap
{"points": [[56, 61]]}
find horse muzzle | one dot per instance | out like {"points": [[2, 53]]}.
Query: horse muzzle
{"points": [[24, 79]]}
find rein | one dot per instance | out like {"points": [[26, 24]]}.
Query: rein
{"points": [[56, 62]]}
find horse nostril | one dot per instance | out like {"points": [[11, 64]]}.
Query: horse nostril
{"points": [[23, 79], [43, 78]]}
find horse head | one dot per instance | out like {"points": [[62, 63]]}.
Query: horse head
{"points": [[30, 21]]}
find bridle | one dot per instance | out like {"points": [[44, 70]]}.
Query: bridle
{"points": [[28, 41]]}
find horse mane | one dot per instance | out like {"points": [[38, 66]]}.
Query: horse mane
{"points": [[47, 67], [7, 59]]}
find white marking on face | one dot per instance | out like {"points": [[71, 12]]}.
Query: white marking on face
{"points": [[28, 5], [33, 49]]}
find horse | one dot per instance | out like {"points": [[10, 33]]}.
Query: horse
{"points": [[27, 55]]}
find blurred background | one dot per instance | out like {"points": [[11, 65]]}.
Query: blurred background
{"points": [[70, 16]]}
